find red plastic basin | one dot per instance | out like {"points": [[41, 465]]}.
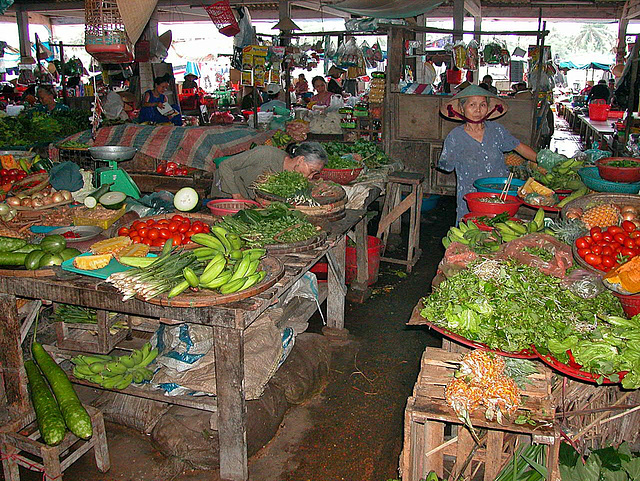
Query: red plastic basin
{"points": [[618, 174], [476, 206], [630, 304]]}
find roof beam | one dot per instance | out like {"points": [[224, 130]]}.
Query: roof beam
{"points": [[560, 12], [473, 7], [633, 9], [319, 7]]}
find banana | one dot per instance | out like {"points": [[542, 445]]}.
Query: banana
{"points": [[241, 268], [256, 253], [137, 376], [251, 280], [81, 372], [235, 254], [221, 234], [126, 380], [190, 277], [178, 289], [214, 241], [517, 227], [539, 218], [463, 227], [213, 273], [110, 382], [262, 275], [96, 378], [472, 225], [149, 357], [457, 231], [504, 229], [146, 349], [137, 355], [221, 280], [253, 267], [148, 374], [453, 237], [509, 238], [549, 231], [233, 285], [204, 252], [446, 242], [115, 367], [127, 361], [532, 227], [235, 241], [97, 367], [95, 358], [215, 260]]}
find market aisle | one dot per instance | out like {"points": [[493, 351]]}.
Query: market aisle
{"points": [[564, 140]]}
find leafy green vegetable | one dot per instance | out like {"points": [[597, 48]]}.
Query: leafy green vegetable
{"points": [[342, 162], [623, 163], [285, 184], [372, 155], [543, 254], [38, 127], [608, 464]]}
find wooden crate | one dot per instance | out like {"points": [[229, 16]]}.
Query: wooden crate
{"points": [[94, 338], [427, 415], [22, 436]]}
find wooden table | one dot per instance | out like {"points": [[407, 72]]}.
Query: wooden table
{"points": [[566, 110], [228, 323], [594, 130]]}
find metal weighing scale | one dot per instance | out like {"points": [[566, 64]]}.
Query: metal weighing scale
{"points": [[120, 180]]}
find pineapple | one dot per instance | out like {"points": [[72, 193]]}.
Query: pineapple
{"points": [[134, 250], [501, 398], [513, 159], [91, 263], [110, 246], [603, 215], [482, 366]]}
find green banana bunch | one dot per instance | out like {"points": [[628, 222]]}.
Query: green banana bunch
{"points": [[116, 372], [468, 233]]}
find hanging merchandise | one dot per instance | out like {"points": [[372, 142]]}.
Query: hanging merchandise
{"points": [[105, 37], [429, 73], [223, 18], [492, 53], [348, 54], [459, 53], [376, 91], [329, 49], [505, 58], [471, 62]]}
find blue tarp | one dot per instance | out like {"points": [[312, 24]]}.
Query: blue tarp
{"points": [[590, 65]]}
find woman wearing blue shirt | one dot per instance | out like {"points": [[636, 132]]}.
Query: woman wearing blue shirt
{"points": [[476, 148], [155, 99]]}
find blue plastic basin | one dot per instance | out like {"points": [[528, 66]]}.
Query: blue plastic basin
{"points": [[496, 184]]}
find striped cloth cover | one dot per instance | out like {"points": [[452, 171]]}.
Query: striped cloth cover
{"points": [[195, 147]]}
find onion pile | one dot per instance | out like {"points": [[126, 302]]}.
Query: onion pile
{"points": [[39, 199], [629, 212], [298, 130]]}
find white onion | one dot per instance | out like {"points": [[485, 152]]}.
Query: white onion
{"points": [[26, 202], [57, 197], [36, 203], [628, 215], [13, 201], [628, 208], [47, 200], [66, 194]]}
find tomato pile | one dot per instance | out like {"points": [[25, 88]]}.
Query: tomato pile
{"points": [[156, 232], [604, 249], [9, 176], [172, 169]]}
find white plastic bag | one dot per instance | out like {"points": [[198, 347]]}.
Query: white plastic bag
{"points": [[337, 102]]}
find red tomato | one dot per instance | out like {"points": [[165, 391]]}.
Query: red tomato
{"points": [[597, 249], [581, 243], [620, 238], [163, 222], [635, 234], [594, 229], [153, 233], [593, 259], [178, 218], [608, 261], [151, 222], [123, 231], [177, 239], [628, 226], [4, 172], [206, 228], [147, 241], [637, 241], [583, 252], [158, 242], [198, 222], [136, 239], [597, 236], [165, 233], [607, 251], [184, 227], [196, 228], [143, 232], [15, 171], [626, 251], [606, 237], [615, 229], [174, 225], [189, 233], [630, 243], [136, 224], [161, 169], [22, 175]]}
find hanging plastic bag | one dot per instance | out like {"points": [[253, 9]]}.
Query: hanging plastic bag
{"points": [[471, 62], [348, 54], [429, 73], [459, 54], [246, 35], [337, 102]]}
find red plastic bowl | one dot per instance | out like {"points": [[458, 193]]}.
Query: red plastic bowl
{"points": [[340, 176], [618, 174], [222, 207], [474, 217], [630, 303], [511, 205]]}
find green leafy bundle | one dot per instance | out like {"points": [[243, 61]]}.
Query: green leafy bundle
{"points": [[38, 127], [372, 155], [342, 162], [603, 464], [285, 184]]}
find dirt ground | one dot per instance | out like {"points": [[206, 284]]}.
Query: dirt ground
{"points": [[353, 429]]}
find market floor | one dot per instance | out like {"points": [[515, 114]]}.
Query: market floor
{"points": [[352, 430]]}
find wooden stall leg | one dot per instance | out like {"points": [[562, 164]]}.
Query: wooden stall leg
{"points": [[100, 448], [51, 463], [10, 466], [15, 377], [494, 454], [335, 284], [228, 346], [359, 290], [465, 445], [414, 229], [433, 437]]}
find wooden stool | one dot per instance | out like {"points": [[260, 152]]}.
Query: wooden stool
{"points": [[427, 414], [394, 207], [22, 436]]}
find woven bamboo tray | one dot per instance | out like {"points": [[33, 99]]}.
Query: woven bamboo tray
{"points": [[591, 200], [300, 246]]}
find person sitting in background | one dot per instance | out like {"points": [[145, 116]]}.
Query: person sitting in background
{"points": [[334, 86], [190, 81], [587, 88], [484, 86], [302, 86], [155, 99], [488, 80], [47, 96], [323, 96], [599, 92], [247, 99], [273, 90]]}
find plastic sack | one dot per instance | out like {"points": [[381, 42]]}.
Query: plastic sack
{"points": [[561, 252], [152, 204], [246, 35], [337, 102], [459, 54], [456, 258], [113, 107], [348, 54], [471, 62], [583, 283], [594, 153], [547, 159]]}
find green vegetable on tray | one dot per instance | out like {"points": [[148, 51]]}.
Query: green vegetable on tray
{"points": [[345, 161], [284, 184], [372, 155], [623, 163], [37, 127]]}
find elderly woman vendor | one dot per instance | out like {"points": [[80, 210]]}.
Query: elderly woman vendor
{"points": [[236, 174], [476, 148]]}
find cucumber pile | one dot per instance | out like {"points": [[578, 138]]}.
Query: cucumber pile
{"points": [[57, 411], [51, 251]]}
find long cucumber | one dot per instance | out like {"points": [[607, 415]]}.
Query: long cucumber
{"points": [[75, 415], [50, 421]]}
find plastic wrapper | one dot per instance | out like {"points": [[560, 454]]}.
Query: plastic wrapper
{"points": [[471, 62], [584, 284], [459, 55], [456, 258], [348, 54], [594, 154], [561, 252], [547, 159], [541, 200]]}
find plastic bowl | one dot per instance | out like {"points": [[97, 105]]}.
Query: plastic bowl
{"points": [[618, 174], [476, 206], [496, 184], [222, 207], [472, 216], [340, 176]]}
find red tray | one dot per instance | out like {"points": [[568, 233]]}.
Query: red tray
{"points": [[524, 354], [573, 369], [546, 208]]}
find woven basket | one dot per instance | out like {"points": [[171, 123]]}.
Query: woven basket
{"points": [[222, 207], [341, 176], [591, 200], [592, 179]]}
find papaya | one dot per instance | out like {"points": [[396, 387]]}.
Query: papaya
{"points": [[9, 162]]}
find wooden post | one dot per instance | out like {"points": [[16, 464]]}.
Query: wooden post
{"points": [[228, 344], [335, 286], [22, 18], [11, 362], [622, 34], [360, 286], [458, 19], [632, 106]]}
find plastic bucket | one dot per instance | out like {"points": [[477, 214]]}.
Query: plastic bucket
{"points": [[454, 77], [598, 111], [373, 254], [630, 304]]}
